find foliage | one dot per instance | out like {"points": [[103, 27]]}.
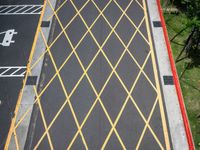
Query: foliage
{"points": [[191, 9], [184, 31], [190, 82]]}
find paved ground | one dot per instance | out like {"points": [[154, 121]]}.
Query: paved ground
{"points": [[99, 85], [13, 55]]}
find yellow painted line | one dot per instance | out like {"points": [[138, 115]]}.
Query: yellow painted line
{"points": [[55, 76], [35, 101], [79, 79], [137, 107], [144, 73], [132, 22], [70, 105], [164, 124], [123, 84], [139, 4], [154, 135], [16, 140], [83, 66], [44, 121], [110, 34], [24, 82], [102, 105], [144, 119], [148, 120], [68, 24], [51, 80], [137, 29], [57, 9], [60, 79], [98, 95], [125, 102]]}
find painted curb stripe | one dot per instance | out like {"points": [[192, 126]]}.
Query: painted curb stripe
{"points": [[176, 81]]}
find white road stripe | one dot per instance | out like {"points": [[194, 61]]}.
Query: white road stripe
{"points": [[15, 73], [8, 9], [28, 9], [20, 9], [37, 9], [5, 9], [5, 71], [11, 9]]}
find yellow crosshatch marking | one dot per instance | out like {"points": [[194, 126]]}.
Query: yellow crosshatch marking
{"points": [[114, 72]]}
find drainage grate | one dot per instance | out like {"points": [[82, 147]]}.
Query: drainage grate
{"points": [[168, 80], [45, 24], [31, 80], [157, 24]]}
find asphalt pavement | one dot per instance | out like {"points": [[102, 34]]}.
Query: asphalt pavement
{"points": [[99, 86], [17, 32]]}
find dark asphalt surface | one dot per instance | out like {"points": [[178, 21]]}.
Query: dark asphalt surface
{"points": [[21, 2], [97, 126], [16, 54]]}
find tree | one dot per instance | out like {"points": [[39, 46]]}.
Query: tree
{"points": [[192, 44]]}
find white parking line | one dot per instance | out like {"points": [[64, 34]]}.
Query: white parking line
{"points": [[20, 9], [12, 71]]}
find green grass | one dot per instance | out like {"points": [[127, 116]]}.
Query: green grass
{"points": [[190, 82]]}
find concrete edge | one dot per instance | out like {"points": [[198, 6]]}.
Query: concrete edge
{"points": [[28, 97], [174, 117]]}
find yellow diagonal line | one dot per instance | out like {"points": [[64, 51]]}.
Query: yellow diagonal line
{"points": [[165, 130], [82, 64], [90, 80], [13, 121], [104, 84], [132, 23], [24, 116], [65, 103], [139, 4], [44, 122], [119, 78], [125, 102], [149, 80], [42, 115], [63, 87], [138, 109], [56, 11], [51, 80], [56, 75], [16, 140], [64, 32], [73, 18], [127, 89], [127, 46], [148, 120]]}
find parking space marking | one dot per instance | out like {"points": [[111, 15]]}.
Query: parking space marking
{"points": [[12, 71], [8, 37], [12, 130], [20, 9]]}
